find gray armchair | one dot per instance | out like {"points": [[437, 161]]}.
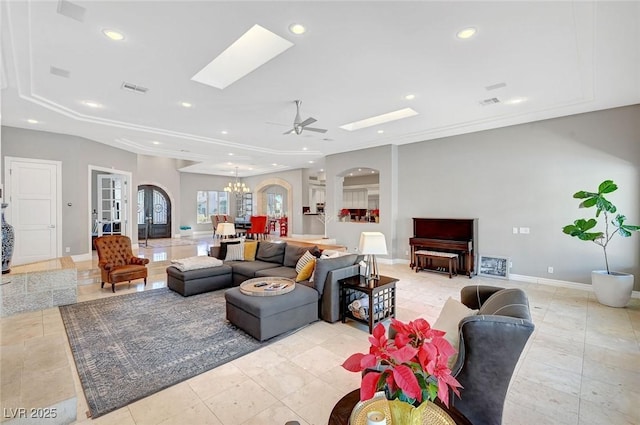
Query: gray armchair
{"points": [[490, 347]]}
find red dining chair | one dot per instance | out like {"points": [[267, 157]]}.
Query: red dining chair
{"points": [[258, 226]]}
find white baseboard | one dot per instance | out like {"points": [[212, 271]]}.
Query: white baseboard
{"points": [[559, 283]]}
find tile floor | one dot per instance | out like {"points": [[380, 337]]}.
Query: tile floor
{"points": [[581, 366]]}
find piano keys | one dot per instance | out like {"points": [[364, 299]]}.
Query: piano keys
{"points": [[456, 235]]}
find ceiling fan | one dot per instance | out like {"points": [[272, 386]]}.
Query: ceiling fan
{"points": [[299, 125]]}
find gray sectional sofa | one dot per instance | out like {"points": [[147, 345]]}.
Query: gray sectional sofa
{"points": [[275, 259]]}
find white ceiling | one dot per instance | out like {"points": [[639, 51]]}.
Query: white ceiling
{"points": [[356, 60]]}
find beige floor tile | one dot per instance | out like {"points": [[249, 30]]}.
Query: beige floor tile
{"points": [[561, 359], [317, 360], [277, 414], [217, 380], [341, 379], [517, 414], [117, 417], [45, 388], [611, 357], [319, 332], [548, 375], [314, 402], [240, 403], [593, 414], [198, 414], [165, 404], [548, 401], [258, 361], [610, 395], [284, 378]]}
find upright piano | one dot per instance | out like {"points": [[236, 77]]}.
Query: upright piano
{"points": [[455, 235]]}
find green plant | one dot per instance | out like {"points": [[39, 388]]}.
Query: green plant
{"points": [[583, 228]]}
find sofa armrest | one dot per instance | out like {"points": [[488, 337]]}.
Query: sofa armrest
{"points": [[330, 303], [474, 296]]}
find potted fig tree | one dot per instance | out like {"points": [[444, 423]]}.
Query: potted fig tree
{"points": [[611, 288]]}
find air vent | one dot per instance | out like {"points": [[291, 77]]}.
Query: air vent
{"points": [[71, 10], [496, 86], [490, 101], [59, 72], [134, 88]]}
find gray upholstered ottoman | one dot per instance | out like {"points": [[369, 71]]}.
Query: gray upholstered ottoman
{"points": [[198, 281], [266, 317]]}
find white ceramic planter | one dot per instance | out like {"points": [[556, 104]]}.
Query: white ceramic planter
{"points": [[612, 289]]}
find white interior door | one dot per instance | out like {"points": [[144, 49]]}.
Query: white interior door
{"points": [[112, 201], [34, 208]]}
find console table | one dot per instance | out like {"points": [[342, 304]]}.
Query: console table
{"points": [[382, 298], [343, 408]]}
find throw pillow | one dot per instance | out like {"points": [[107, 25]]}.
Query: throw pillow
{"points": [[307, 270], [306, 257], [250, 248], [292, 254], [450, 316], [271, 252], [222, 254], [235, 252]]}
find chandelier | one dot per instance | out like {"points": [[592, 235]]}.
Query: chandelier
{"points": [[236, 187]]}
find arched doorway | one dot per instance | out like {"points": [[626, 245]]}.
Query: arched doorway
{"points": [[154, 209]]}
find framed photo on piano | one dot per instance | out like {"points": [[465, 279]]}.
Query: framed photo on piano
{"points": [[494, 266]]}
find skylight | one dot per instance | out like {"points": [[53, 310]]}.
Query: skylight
{"points": [[252, 50], [380, 119]]}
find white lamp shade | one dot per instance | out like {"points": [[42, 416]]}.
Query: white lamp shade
{"points": [[372, 243], [226, 229]]}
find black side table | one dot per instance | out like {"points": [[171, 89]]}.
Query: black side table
{"points": [[382, 298]]}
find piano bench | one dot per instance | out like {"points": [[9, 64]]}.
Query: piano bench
{"points": [[424, 260]]}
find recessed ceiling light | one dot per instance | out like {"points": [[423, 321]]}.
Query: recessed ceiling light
{"points": [[230, 154], [466, 33], [224, 132], [297, 29], [32, 121], [155, 142], [113, 35], [304, 149], [410, 96], [274, 164], [380, 119], [252, 50], [92, 104], [380, 131], [250, 169], [359, 169], [373, 171], [186, 104], [311, 162], [322, 170], [515, 100], [351, 174], [229, 163]]}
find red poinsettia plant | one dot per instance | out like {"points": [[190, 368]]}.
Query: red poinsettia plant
{"points": [[375, 212], [344, 212], [412, 367]]}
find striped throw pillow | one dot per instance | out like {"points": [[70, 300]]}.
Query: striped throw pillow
{"points": [[306, 257], [235, 252]]}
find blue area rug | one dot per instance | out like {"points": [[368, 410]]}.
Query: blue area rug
{"points": [[130, 346]]}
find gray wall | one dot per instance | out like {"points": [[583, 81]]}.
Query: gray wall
{"points": [[76, 154], [525, 176], [190, 184], [381, 158]]}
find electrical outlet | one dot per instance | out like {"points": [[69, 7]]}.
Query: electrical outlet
{"points": [[515, 230], [406, 253], [549, 269], [67, 249], [524, 230], [510, 264]]}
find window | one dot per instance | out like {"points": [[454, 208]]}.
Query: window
{"points": [[211, 202], [274, 204]]}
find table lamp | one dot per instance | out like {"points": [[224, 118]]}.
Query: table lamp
{"points": [[372, 244], [226, 229]]}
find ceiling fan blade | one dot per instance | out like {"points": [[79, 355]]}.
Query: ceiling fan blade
{"points": [[318, 130], [308, 121]]}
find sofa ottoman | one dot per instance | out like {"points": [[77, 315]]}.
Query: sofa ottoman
{"points": [[266, 317], [197, 281]]}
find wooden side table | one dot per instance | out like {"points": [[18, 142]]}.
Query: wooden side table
{"points": [[382, 298]]}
